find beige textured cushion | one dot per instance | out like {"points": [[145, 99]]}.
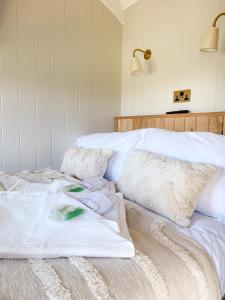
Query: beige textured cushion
{"points": [[164, 185], [84, 163]]}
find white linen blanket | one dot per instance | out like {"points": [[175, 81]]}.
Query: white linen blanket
{"points": [[28, 230]]}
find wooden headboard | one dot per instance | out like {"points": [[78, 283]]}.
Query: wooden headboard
{"points": [[209, 122]]}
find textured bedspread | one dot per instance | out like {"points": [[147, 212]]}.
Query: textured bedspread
{"points": [[167, 265]]}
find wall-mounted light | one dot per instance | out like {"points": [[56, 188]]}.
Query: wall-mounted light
{"points": [[136, 67], [210, 43]]}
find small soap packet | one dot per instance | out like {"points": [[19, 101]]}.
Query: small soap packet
{"points": [[75, 191], [73, 188], [65, 213]]}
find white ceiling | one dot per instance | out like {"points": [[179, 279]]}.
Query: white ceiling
{"points": [[117, 7]]}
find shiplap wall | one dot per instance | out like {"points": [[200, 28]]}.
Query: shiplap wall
{"points": [[60, 66], [174, 30]]}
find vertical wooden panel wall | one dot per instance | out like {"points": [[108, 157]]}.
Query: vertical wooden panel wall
{"points": [[208, 122], [158, 24], [60, 71]]}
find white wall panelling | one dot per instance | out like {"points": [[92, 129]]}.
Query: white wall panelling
{"points": [[173, 30], [59, 74], [60, 63]]}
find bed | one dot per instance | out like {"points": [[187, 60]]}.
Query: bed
{"points": [[170, 262], [202, 122]]}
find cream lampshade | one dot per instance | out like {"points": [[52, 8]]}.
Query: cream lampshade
{"points": [[210, 43], [136, 68]]}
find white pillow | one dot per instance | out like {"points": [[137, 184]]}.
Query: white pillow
{"points": [[164, 185], [123, 143], [199, 147], [85, 163]]}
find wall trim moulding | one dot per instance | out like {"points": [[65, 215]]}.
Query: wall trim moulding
{"points": [[116, 8], [126, 3]]}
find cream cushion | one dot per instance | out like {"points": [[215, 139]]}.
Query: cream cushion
{"points": [[85, 163], [123, 143], [195, 147], [164, 185]]}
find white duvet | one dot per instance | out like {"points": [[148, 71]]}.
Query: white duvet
{"points": [[210, 234], [29, 230]]}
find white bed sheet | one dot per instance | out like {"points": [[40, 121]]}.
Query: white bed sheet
{"points": [[210, 234]]}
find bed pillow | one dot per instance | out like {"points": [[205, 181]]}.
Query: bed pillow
{"points": [[164, 185], [123, 143], [200, 147], [85, 163]]}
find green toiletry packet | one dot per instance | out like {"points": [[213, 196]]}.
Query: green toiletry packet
{"points": [[66, 213], [73, 189]]}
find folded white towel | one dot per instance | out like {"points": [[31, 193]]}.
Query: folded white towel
{"points": [[30, 232]]}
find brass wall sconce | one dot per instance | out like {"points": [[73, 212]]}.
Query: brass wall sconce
{"points": [[210, 43], [136, 67]]}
